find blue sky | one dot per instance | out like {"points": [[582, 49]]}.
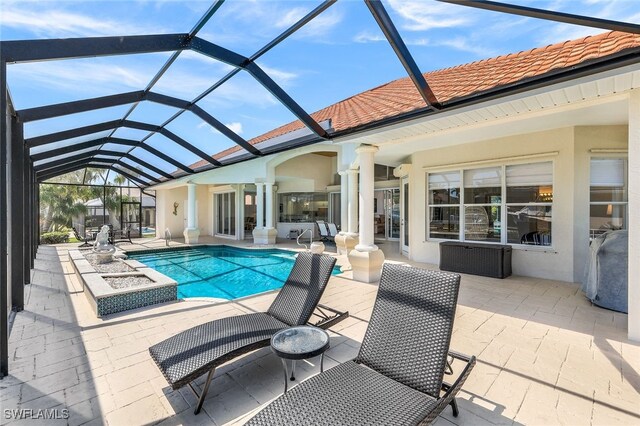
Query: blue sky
{"points": [[341, 53]]}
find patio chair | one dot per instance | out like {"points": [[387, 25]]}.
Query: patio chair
{"points": [[191, 353], [397, 377], [333, 229], [85, 240], [324, 231], [121, 235]]}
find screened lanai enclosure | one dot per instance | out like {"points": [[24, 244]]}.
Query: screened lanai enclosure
{"points": [[115, 143], [84, 200]]}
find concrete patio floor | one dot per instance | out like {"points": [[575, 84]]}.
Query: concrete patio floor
{"points": [[545, 355]]}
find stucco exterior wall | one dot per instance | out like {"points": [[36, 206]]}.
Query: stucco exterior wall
{"points": [[164, 211], [306, 173], [569, 149], [176, 223]]}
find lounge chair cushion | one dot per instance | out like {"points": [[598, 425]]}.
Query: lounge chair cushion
{"points": [[187, 355], [349, 394]]}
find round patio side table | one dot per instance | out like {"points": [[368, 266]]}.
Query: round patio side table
{"points": [[300, 342]]}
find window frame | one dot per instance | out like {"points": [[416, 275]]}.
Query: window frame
{"points": [[459, 205], [230, 206], [612, 156], [299, 193], [504, 205]]}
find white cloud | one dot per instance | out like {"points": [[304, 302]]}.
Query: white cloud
{"points": [[79, 77], [322, 25], [236, 127], [615, 10], [290, 17], [259, 19], [465, 45], [199, 57], [421, 15], [233, 93], [368, 37], [283, 78], [52, 23]]}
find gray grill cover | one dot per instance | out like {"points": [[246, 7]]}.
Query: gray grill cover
{"points": [[606, 279]]}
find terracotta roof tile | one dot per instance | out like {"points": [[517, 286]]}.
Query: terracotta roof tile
{"points": [[400, 96]]}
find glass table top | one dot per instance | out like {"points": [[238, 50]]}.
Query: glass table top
{"points": [[299, 341]]}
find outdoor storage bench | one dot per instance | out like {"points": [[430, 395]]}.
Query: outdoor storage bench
{"points": [[489, 260]]}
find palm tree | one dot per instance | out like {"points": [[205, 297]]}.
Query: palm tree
{"points": [[61, 202]]}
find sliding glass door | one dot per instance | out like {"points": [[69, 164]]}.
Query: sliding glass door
{"points": [[386, 211], [404, 222], [225, 214]]}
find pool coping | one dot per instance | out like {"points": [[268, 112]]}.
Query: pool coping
{"points": [[195, 246]]}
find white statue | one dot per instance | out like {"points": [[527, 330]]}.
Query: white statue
{"points": [[102, 239], [102, 248]]}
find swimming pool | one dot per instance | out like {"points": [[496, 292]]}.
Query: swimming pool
{"points": [[222, 271]]}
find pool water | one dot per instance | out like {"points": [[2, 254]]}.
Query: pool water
{"points": [[222, 271]]}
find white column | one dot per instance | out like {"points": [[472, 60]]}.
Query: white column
{"points": [[259, 205], [191, 206], [268, 188], [633, 220], [344, 202], [366, 153], [366, 260], [191, 233], [352, 204]]}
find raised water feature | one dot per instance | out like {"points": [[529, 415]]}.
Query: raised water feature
{"points": [[119, 285], [102, 248]]}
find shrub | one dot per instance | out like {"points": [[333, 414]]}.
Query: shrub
{"points": [[54, 238]]}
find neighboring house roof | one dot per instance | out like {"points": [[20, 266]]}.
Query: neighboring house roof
{"points": [[400, 96], [96, 202], [146, 202]]}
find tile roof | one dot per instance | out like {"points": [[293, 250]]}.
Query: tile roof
{"points": [[400, 96]]}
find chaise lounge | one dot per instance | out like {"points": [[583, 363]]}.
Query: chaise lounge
{"points": [[397, 377], [191, 353]]}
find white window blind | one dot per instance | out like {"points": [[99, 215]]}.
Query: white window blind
{"points": [[444, 180], [532, 174], [607, 172], [479, 178]]}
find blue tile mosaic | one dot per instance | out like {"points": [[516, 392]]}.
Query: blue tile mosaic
{"points": [[136, 299]]}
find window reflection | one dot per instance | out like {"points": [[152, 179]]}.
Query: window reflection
{"points": [[303, 206]]}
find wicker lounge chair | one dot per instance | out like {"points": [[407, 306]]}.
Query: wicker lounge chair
{"points": [[397, 377], [85, 240], [191, 353]]}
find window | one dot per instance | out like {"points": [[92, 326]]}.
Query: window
{"points": [[608, 195], [529, 201], [444, 202], [303, 206], [335, 209], [506, 204], [482, 204], [382, 173]]}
